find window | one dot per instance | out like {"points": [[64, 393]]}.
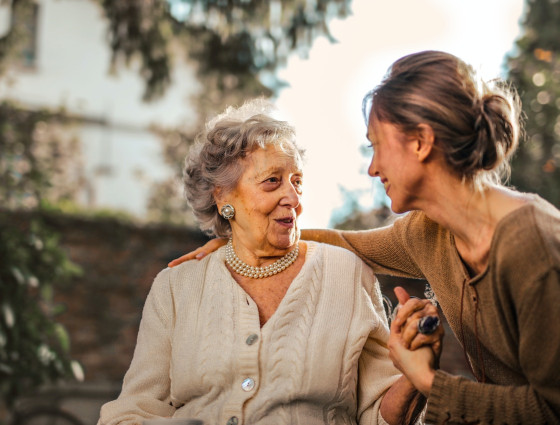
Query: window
{"points": [[25, 22]]}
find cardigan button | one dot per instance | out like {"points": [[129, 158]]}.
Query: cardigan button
{"points": [[251, 339], [232, 421], [248, 384]]}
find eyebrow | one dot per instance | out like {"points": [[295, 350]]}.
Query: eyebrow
{"points": [[273, 170]]}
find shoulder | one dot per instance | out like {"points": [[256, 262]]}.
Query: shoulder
{"points": [[322, 250], [187, 274], [422, 237], [339, 264], [531, 231], [422, 225], [527, 241], [546, 219], [333, 256]]}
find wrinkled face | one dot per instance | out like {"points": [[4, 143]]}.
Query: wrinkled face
{"points": [[394, 161], [267, 202]]}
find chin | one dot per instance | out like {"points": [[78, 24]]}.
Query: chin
{"points": [[398, 208], [287, 241]]}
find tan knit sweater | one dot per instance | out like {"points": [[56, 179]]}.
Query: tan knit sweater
{"points": [[508, 316], [320, 359]]}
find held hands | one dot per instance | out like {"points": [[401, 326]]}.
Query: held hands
{"points": [[415, 354], [199, 253]]}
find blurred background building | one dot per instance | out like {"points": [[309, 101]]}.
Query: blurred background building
{"points": [[64, 64]]}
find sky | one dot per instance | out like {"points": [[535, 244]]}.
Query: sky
{"points": [[325, 90]]}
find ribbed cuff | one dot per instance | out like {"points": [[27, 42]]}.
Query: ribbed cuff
{"points": [[438, 408]]}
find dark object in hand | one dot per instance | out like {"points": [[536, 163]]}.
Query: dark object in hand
{"points": [[428, 324]]}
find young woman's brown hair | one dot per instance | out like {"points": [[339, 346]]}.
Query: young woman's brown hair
{"points": [[476, 124]]}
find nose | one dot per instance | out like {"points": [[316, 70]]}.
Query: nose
{"points": [[372, 169], [291, 196]]}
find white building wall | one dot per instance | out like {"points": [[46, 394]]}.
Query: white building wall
{"points": [[73, 71]]}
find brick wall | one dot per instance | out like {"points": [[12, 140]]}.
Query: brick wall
{"points": [[103, 306]]}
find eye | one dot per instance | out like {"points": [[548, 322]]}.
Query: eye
{"points": [[271, 183], [298, 184]]}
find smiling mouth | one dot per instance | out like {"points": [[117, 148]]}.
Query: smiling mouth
{"points": [[287, 221]]}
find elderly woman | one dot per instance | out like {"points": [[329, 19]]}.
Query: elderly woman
{"points": [[268, 329]]}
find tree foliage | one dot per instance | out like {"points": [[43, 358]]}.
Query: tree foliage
{"points": [[40, 158], [33, 346], [535, 71], [237, 40], [17, 34], [38, 163], [236, 47]]}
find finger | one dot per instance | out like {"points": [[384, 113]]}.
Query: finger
{"points": [[410, 325], [402, 298], [181, 259], [420, 338], [394, 328], [199, 253], [402, 295], [432, 340], [404, 311]]}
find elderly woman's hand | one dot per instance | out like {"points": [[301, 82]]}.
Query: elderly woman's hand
{"points": [[407, 318], [414, 353], [199, 253]]}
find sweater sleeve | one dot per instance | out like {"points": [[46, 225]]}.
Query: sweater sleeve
{"points": [[459, 400], [386, 249], [376, 372], [146, 385]]}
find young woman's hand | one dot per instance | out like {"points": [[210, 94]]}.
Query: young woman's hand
{"points": [[199, 253]]}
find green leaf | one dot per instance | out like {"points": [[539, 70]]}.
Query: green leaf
{"points": [[62, 336]]}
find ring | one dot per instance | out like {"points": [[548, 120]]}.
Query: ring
{"points": [[428, 324]]}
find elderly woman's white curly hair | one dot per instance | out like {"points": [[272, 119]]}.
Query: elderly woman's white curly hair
{"points": [[215, 161]]}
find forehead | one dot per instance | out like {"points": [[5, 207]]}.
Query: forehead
{"points": [[273, 158], [372, 128], [379, 130]]}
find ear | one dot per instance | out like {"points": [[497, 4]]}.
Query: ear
{"points": [[424, 141]]}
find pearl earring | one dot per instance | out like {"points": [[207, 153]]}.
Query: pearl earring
{"points": [[227, 211]]}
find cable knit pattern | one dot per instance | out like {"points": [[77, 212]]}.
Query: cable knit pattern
{"points": [[320, 359]]}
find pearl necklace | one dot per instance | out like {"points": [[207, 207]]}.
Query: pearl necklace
{"points": [[246, 270]]}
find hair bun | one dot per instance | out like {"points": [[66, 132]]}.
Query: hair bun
{"points": [[496, 135]]}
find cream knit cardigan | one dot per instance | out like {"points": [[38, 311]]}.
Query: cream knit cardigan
{"points": [[320, 359]]}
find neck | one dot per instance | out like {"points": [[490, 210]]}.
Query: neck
{"points": [[470, 215], [244, 269], [460, 209], [259, 256]]}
